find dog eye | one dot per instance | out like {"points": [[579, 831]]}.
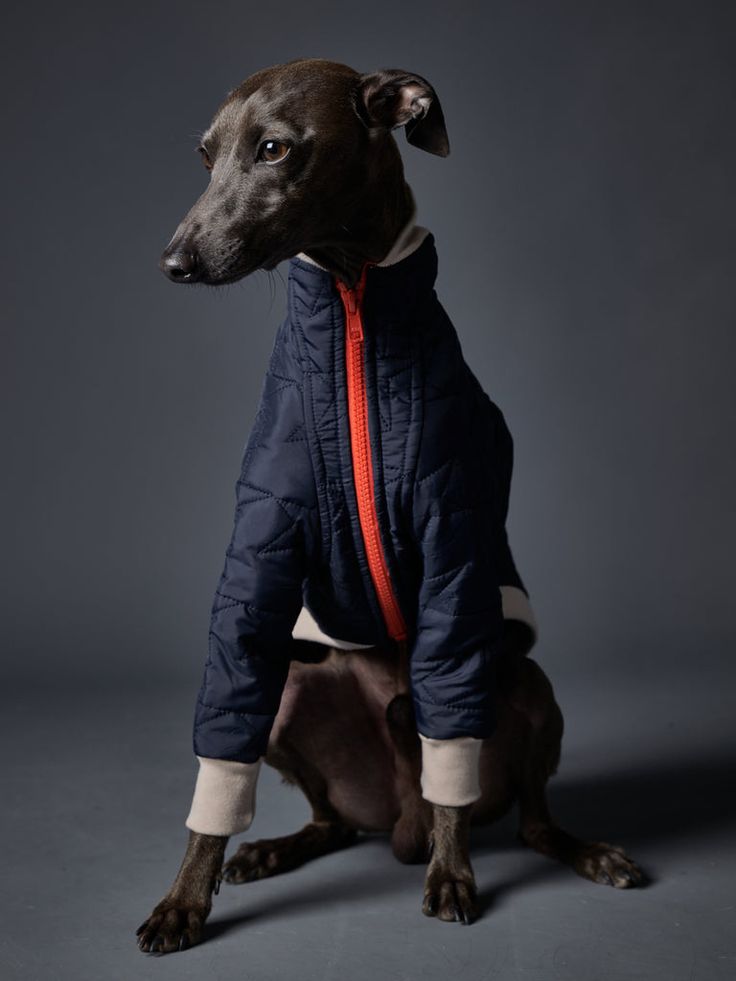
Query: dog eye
{"points": [[273, 151], [205, 157]]}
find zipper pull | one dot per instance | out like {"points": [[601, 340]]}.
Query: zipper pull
{"points": [[351, 300], [355, 322]]}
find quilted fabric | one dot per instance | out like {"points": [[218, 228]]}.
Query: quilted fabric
{"points": [[442, 460]]}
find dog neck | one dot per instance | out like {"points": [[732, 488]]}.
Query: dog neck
{"points": [[409, 239]]}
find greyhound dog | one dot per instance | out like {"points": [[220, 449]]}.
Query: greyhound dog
{"points": [[303, 164]]}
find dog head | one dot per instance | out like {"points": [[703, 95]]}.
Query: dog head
{"points": [[292, 154]]}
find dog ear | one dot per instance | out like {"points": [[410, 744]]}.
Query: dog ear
{"points": [[392, 97]]}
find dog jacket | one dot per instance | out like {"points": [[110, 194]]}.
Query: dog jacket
{"points": [[371, 505]]}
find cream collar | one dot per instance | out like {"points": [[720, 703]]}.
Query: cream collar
{"points": [[407, 241]]}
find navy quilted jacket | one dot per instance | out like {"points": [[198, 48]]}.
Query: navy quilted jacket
{"points": [[439, 466]]}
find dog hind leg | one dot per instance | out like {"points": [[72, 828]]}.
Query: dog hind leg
{"points": [[325, 833], [410, 836], [598, 861]]}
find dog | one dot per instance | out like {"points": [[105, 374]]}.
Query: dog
{"points": [[432, 716]]}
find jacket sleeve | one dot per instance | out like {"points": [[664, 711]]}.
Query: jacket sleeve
{"points": [[460, 496], [257, 601], [452, 669]]}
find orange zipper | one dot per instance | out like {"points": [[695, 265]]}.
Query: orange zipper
{"points": [[360, 447]]}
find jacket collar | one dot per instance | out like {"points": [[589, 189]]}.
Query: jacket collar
{"points": [[407, 241], [397, 290]]}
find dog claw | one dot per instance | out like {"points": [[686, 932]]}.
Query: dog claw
{"points": [[170, 930], [625, 879], [607, 865], [450, 900]]}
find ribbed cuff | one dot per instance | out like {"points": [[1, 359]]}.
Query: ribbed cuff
{"points": [[450, 770], [224, 799], [516, 606]]}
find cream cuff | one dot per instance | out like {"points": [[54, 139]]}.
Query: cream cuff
{"points": [[515, 605], [224, 797], [450, 770]]}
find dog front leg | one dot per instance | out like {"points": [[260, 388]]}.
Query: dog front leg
{"points": [[449, 888], [176, 922]]}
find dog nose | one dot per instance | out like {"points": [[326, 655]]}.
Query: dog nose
{"points": [[180, 267]]}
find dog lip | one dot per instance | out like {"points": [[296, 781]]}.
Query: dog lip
{"points": [[233, 275]]}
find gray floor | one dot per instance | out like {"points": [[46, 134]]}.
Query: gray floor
{"points": [[97, 784]]}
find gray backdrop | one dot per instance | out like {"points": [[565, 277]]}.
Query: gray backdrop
{"points": [[586, 229]]}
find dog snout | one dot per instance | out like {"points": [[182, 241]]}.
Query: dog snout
{"points": [[181, 265]]}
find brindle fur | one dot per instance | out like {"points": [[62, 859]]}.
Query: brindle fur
{"points": [[345, 731]]}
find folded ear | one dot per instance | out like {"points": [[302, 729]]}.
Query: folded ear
{"points": [[392, 97]]}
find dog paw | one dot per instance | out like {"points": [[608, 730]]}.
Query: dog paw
{"points": [[254, 860], [171, 927], [608, 865], [272, 856], [449, 898]]}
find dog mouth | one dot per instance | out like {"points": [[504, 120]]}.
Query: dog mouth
{"points": [[188, 266], [224, 277]]}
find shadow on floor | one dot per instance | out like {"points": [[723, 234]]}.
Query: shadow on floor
{"points": [[653, 802], [635, 807], [666, 800], [638, 808]]}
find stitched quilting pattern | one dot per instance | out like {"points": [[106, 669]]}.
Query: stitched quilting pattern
{"points": [[442, 458]]}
